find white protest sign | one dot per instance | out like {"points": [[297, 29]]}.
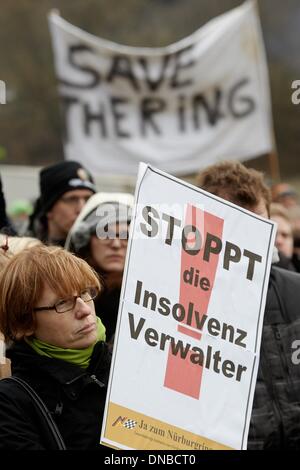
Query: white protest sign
{"points": [[191, 312], [180, 107]]}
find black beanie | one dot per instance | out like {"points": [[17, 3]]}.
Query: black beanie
{"points": [[56, 180]]}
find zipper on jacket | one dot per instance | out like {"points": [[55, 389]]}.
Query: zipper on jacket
{"points": [[76, 378], [98, 382]]}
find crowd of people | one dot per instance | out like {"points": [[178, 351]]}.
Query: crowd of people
{"points": [[60, 288]]}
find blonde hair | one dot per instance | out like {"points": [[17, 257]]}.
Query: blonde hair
{"points": [[24, 277], [17, 244], [4, 258], [10, 246]]}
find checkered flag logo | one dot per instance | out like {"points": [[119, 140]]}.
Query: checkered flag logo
{"points": [[130, 424]]}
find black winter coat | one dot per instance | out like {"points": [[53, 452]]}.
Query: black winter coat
{"points": [[275, 421], [4, 221], [3, 217], [107, 306], [74, 396]]}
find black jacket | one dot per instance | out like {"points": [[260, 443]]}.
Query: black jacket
{"points": [[107, 306], [275, 421], [3, 217], [285, 263], [5, 224], [74, 396]]}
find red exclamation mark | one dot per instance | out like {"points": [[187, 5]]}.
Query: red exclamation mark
{"points": [[181, 374]]}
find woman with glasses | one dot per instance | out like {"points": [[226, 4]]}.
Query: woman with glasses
{"points": [[60, 362], [100, 236]]}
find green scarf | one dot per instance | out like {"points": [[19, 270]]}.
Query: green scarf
{"points": [[80, 357]]}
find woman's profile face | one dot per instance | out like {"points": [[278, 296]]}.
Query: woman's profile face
{"points": [[74, 329], [108, 254]]}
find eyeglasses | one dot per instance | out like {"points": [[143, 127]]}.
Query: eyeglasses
{"points": [[75, 200], [64, 305]]}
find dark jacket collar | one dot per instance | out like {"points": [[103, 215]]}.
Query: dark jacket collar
{"points": [[25, 361]]}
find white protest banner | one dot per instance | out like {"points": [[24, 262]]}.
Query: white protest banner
{"points": [[180, 107], [189, 329]]}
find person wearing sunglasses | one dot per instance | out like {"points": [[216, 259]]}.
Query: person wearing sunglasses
{"points": [[57, 348], [100, 236]]}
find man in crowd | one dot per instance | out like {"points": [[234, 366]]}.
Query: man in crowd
{"points": [[64, 189], [285, 194], [284, 237], [275, 421]]}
